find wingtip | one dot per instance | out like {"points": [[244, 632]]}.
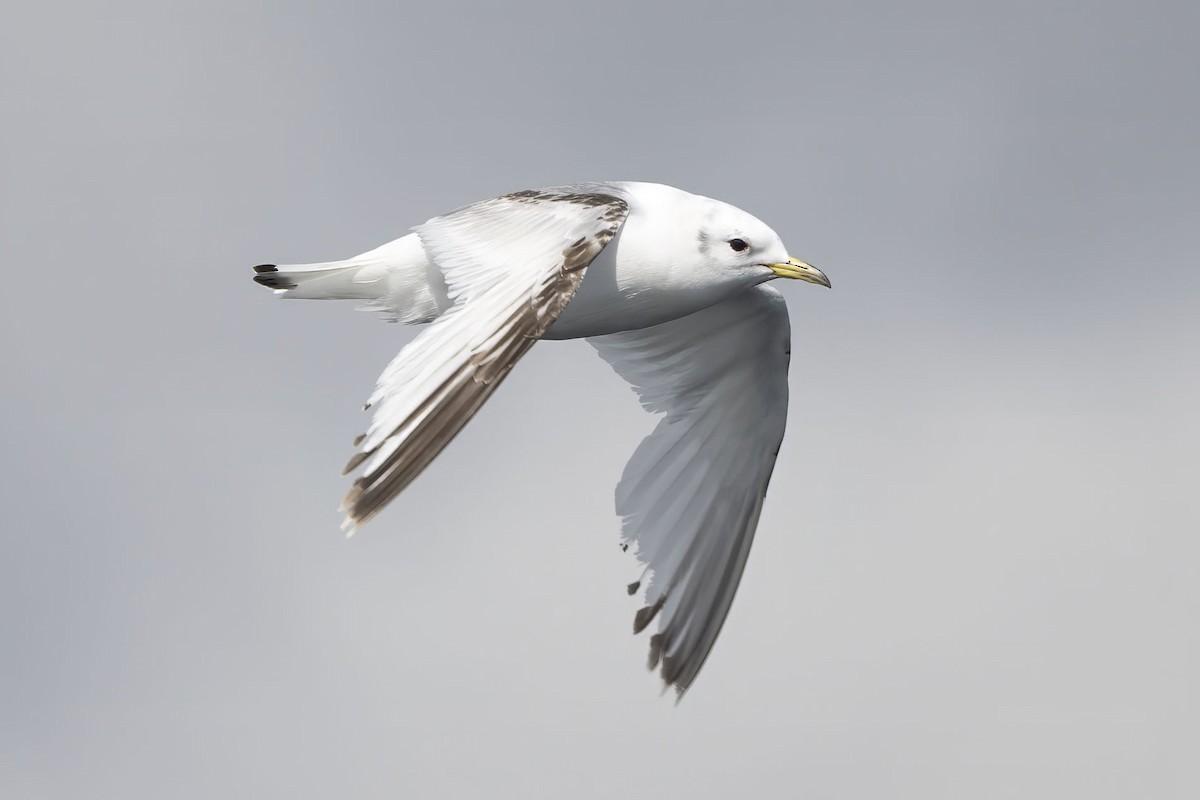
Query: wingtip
{"points": [[680, 691], [671, 672], [352, 521], [646, 614], [656, 648], [351, 465], [266, 268]]}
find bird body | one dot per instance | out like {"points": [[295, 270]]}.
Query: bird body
{"points": [[666, 286], [636, 281]]}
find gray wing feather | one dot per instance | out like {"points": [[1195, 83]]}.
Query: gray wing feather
{"points": [[692, 493]]}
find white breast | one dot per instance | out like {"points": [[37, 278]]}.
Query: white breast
{"points": [[645, 276]]}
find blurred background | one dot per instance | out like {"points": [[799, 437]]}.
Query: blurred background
{"points": [[976, 575]]}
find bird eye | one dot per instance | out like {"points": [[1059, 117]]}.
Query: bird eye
{"points": [[739, 245]]}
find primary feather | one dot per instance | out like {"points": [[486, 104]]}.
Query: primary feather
{"points": [[693, 491]]}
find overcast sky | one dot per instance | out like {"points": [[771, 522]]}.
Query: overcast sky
{"points": [[976, 575]]}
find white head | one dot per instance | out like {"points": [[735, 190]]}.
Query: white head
{"points": [[726, 244]]}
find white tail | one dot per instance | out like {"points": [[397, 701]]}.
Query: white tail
{"points": [[333, 280], [396, 279]]}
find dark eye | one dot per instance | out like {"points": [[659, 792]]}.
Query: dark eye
{"points": [[739, 245]]}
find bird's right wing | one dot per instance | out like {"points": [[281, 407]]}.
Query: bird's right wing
{"points": [[692, 493], [511, 264]]}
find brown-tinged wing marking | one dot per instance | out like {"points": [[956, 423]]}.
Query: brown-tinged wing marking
{"points": [[512, 264]]}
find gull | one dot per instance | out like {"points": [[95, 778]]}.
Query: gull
{"points": [[670, 288]]}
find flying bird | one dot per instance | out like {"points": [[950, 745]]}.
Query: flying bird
{"points": [[670, 288]]}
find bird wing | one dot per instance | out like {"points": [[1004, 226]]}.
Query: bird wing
{"points": [[511, 265], [691, 495]]}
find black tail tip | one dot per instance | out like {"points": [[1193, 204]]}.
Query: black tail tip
{"points": [[268, 275]]}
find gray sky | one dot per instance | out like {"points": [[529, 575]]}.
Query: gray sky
{"points": [[976, 575]]}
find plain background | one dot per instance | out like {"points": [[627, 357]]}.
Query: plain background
{"points": [[976, 575]]}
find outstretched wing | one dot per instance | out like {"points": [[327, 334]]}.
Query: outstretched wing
{"points": [[692, 493], [511, 265]]}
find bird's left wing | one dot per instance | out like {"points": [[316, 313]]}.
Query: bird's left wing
{"points": [[692, 493], [511, 264]]}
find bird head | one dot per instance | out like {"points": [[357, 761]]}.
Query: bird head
{"points": [[733, 241]]}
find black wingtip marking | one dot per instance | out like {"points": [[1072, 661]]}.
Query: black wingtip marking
{"points": [[353, 463], [266, 268], [656, 648], [645, 615]]}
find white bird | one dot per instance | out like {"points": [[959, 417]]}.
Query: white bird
{"points": [[668, 286]]}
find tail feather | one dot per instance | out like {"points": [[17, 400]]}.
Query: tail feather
{"points": [[332, 280], [269, 275], [396, 279]]}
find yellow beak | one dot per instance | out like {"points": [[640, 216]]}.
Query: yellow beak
{"points": [[795, 268]]}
